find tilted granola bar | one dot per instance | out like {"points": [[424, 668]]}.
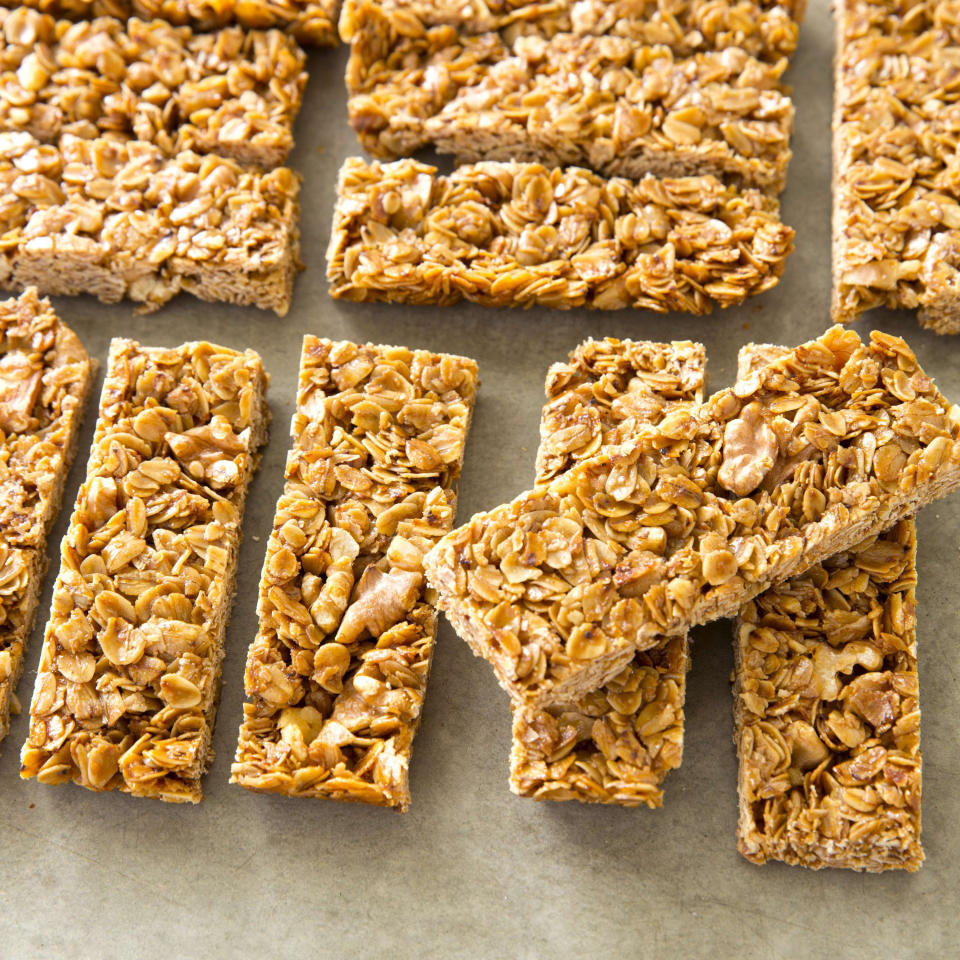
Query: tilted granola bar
{"points": [[601, 102], [763, 28], [338, 671], [694, 516], [235, 93], [896, 199], [120, 219], [310, 21], [827, 723], [45, 379], [616, 744], [519, 234], [129, 677]]}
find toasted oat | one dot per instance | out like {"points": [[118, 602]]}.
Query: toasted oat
{"points": [[616, 744], [45, 379], [338, 671], [235, 93], [512, 234], [119, 219], [312, 22], [896, 218], [129, 677], [559, 588]]}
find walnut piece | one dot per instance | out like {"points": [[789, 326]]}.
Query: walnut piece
{"points": [[749, 451]]}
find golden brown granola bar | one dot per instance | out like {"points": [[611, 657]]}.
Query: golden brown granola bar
{"points": [[310, 21], [763, 28], [616, 744], [896, 203], [45, 379], [235, 93], [119, 219], [338, 671], [129, 677], [519, 234], [599, 102], [694, 516]]}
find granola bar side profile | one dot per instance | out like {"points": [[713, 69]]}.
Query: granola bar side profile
{"points": [[338, 671], [45, 380], [694, 516], [121, 220], [599, 102], [519, 234], [232, 92], [616, 744], [129, 676], [896, 206]]}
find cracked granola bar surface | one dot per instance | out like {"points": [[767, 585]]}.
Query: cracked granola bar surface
{"points": [[121, 220], [338, 671], [598, 101], [696, 515], [232, 92], [616, 744], [45, 379], [519, 234], [896, 199], [129, 676]]}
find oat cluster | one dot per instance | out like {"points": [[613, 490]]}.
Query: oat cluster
{"points": [[337, 673], [121, 219], [45, 378], [129, 675], [896, 197], [519, 234], [235, 93]]}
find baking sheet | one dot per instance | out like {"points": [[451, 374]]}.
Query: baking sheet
{"points": [[471, 870]]}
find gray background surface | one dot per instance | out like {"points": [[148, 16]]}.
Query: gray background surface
{"points": [[471, 870]]}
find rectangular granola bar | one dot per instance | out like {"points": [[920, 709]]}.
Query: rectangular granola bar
{"points": [[312, 22], [338, 671], [616, 744], [120, 219], [519, 234], [45, 379], [896, 203], [235, 93], [600, 102], [694, 516], [129, 676]]}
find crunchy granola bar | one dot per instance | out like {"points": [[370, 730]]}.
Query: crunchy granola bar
{"points": [[602, 102], [896, 215], [310, 21], [692, 517], [45, 379], [763, 28], [512, 234], [233, 92], [616, 744], [338, 671], [120, 219], [129, 677]]}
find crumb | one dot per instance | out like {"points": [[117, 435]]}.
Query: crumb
{"points": [[256, 539], [746, 326], [32, 805], [757, 306]]}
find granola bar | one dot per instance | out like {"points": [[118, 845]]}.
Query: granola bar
{"points": [[312, 22], [338, 671], [45, 379], [512, 234], [694, 516], [600, 102], [235, 93], [763, 28], [616, 744], [120, 219], [831, 782], [896, 206], [129, 676]]}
